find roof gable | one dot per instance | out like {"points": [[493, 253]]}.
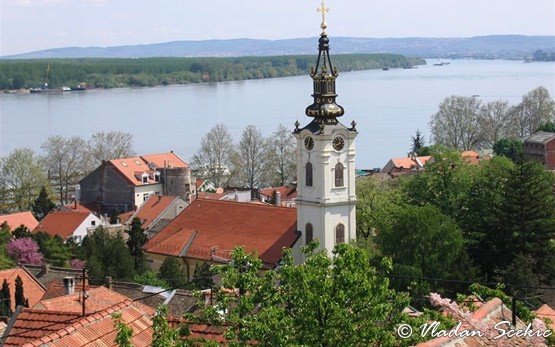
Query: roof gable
{"points": [[151, 209], [14, 220], [62, 223], [221, 226]]}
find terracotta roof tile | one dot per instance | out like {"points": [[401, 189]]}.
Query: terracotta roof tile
{"points": [[82, 207], [32, 288], [173, 160], [151, 209], [132, 168], [547, 312], [14, 220], [30, 325], [224, 225], [61, 223], [287, 193], [100, 298], [99, 329]]}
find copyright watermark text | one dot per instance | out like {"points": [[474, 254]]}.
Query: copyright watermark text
{"points": [[502, 329]]}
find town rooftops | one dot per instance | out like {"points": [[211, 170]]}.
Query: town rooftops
{"points": [[150, 210], [15, 220], [99, 298], [210, 229], [81, 207], [97, 329], [30, 324], [134, 168], [61, 223], [33, 290], [541, 137]]}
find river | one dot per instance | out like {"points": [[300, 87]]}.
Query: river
{"points": [[389, 106]]}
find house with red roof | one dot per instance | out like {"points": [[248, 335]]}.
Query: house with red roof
{"points": [[15, 220], [68, 224], [279, 196], [155, 213], [125, 184], [33, 290], [412, 163], [208, 230], [547, 313]]}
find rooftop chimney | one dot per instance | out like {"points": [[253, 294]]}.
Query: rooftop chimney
{"points": [[69, 285], [277, 201]]}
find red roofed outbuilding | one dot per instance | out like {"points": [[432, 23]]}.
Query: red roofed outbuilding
{"points": [[68, 224], [208, 230], [15, 220]]}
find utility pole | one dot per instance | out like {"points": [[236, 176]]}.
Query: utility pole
{"points": [[83, 293]]}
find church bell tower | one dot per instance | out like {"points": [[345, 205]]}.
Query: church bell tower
{"points": [[326, 196]]}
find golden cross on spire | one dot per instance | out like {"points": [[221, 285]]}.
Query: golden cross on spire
{"points": [[323, 9]]}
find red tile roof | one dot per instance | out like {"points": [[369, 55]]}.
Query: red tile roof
{"points": [[547, 312], [410, 163], [100, 298], [151, 209], [98, 329], [211, 196], [287, 193], [30, 325], [32, 288], [81, 207], [14, 220], [199, 183], [61, 223], [207, 225], [132, 168], [172, 160]]}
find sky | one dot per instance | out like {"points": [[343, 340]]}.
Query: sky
{"points": [[29, 25]]}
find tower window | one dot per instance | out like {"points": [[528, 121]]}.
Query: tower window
{"points": [[308, 233], [340, 233], [339, 181], [308, 180]]}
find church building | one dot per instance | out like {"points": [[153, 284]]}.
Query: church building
{"points": [[326, 198]]}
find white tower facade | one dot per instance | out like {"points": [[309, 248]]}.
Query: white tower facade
{"points": [[326, 197]]}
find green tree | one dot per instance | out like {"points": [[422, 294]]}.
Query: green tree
{"points": [[22, 171], [510, 148], [5, 300], [549, 127], [56, 251], [21, 232], [339, 301], [151, 279], [124, 332], [422, 242], [203, 276], [43, 204], [107, 255], [20, 299], [135, 242], [418, 142], [172, 272]]}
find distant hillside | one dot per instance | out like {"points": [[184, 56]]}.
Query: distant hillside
{"points": [[496, 46], [117, 72]]}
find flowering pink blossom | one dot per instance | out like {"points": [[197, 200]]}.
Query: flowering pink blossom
{"points": [[25, 251], [77, 263]]}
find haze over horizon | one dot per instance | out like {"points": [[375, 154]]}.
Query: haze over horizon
{"points": [[31, 25]]}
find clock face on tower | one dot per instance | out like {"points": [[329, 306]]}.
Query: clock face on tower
{"points": [[309, 143], [338, 143]]}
